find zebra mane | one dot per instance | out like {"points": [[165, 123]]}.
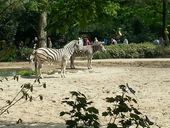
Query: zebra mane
{"points": [[98, 43], [71, 44]]}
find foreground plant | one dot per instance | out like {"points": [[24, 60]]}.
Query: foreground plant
{"points": [[122, 112], [82, 114], [23, 94]]}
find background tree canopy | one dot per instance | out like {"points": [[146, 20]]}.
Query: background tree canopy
{"points": [[140, 20]]}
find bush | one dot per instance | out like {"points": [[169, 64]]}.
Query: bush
{"points": [[165, 51], [11, 53], [25, 53], [26, 73], [82, 114], [121, 112], [143, 50], [8, 54]]}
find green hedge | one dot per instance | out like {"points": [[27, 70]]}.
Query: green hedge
{"points": [[13, 54], [143, 50], [8, 54]]}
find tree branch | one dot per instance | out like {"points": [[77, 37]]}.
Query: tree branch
{"points": [[11, 4]]}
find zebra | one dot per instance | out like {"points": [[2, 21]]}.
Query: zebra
{"points": [[88, 51], [41, 55]]}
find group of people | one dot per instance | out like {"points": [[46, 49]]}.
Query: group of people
{"points": [[159, 41], [82, 41], [86, 41], [114, 41], [119, 39]]}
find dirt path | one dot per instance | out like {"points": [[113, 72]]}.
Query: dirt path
{"points": [[152, 85]]}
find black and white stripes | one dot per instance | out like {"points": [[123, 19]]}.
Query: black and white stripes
{"points": [[50, 55]]}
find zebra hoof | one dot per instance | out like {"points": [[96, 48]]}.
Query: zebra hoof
{"points": [[63, 76], [40, 77]]}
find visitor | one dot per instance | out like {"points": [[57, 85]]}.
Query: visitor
{"points": [[95, 40], [80, 41], [105, 41], [113, 41], [35, 42], [125, 41], [156, 42], [49, 43], [87, 41]]}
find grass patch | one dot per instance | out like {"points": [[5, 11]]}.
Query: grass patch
{"points": [[26, 73]]}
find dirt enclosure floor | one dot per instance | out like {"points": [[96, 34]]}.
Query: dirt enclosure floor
{"points": [[149, 78]]}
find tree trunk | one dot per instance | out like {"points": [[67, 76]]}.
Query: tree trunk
{"points": [[42, 34], [164, 21]]}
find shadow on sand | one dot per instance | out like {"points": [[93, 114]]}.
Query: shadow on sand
{"points": [[31, 125]]}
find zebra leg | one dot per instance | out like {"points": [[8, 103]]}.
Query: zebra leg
{"points": [[36, 68], [39, 70], [63, 67], [72, 58], [89, 64]]}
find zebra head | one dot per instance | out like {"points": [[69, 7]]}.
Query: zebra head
{"points": [[100, 46], [77, 46]]}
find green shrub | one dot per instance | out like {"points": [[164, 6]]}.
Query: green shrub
{"points": [[25, 53], [82, 114], [143, 50], [121, 111], [11, 53], [8, 54], [26, 73], [165, 51]]}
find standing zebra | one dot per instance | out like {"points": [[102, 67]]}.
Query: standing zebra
{"points": [[41, 55], [88, 51]]}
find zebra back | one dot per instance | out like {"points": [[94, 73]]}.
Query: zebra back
{"points": [[49, 55], [98, 47], [71, 44], [54, 55]]}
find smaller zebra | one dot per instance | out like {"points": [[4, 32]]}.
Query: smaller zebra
{"points": [[88, 51], [41, 55]]}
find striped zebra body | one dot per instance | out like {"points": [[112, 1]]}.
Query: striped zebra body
{"points": [[87, 51], [51, 55], [42, 55]]}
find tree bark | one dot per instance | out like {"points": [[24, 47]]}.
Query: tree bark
{"points": [[164, 21], [42, 34]]}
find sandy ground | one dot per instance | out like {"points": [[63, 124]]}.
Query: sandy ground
{"points": [[150, 79]]}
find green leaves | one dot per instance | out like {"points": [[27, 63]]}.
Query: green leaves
{"points": [[82, 115], [122, 112], [93, 110], [112, 125], [111, 8], [142, 50], [25, 93]]}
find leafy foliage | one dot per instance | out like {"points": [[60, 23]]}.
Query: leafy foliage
{"points": [[82, 115], [143, 50], [25, 93], [122, 111], [26, 73], [140, 20], [8, 53]]}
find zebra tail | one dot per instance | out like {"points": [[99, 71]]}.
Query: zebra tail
{"points": [[33, 60]]}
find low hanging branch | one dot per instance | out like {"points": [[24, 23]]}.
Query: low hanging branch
{"points": [[23, 94]]}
